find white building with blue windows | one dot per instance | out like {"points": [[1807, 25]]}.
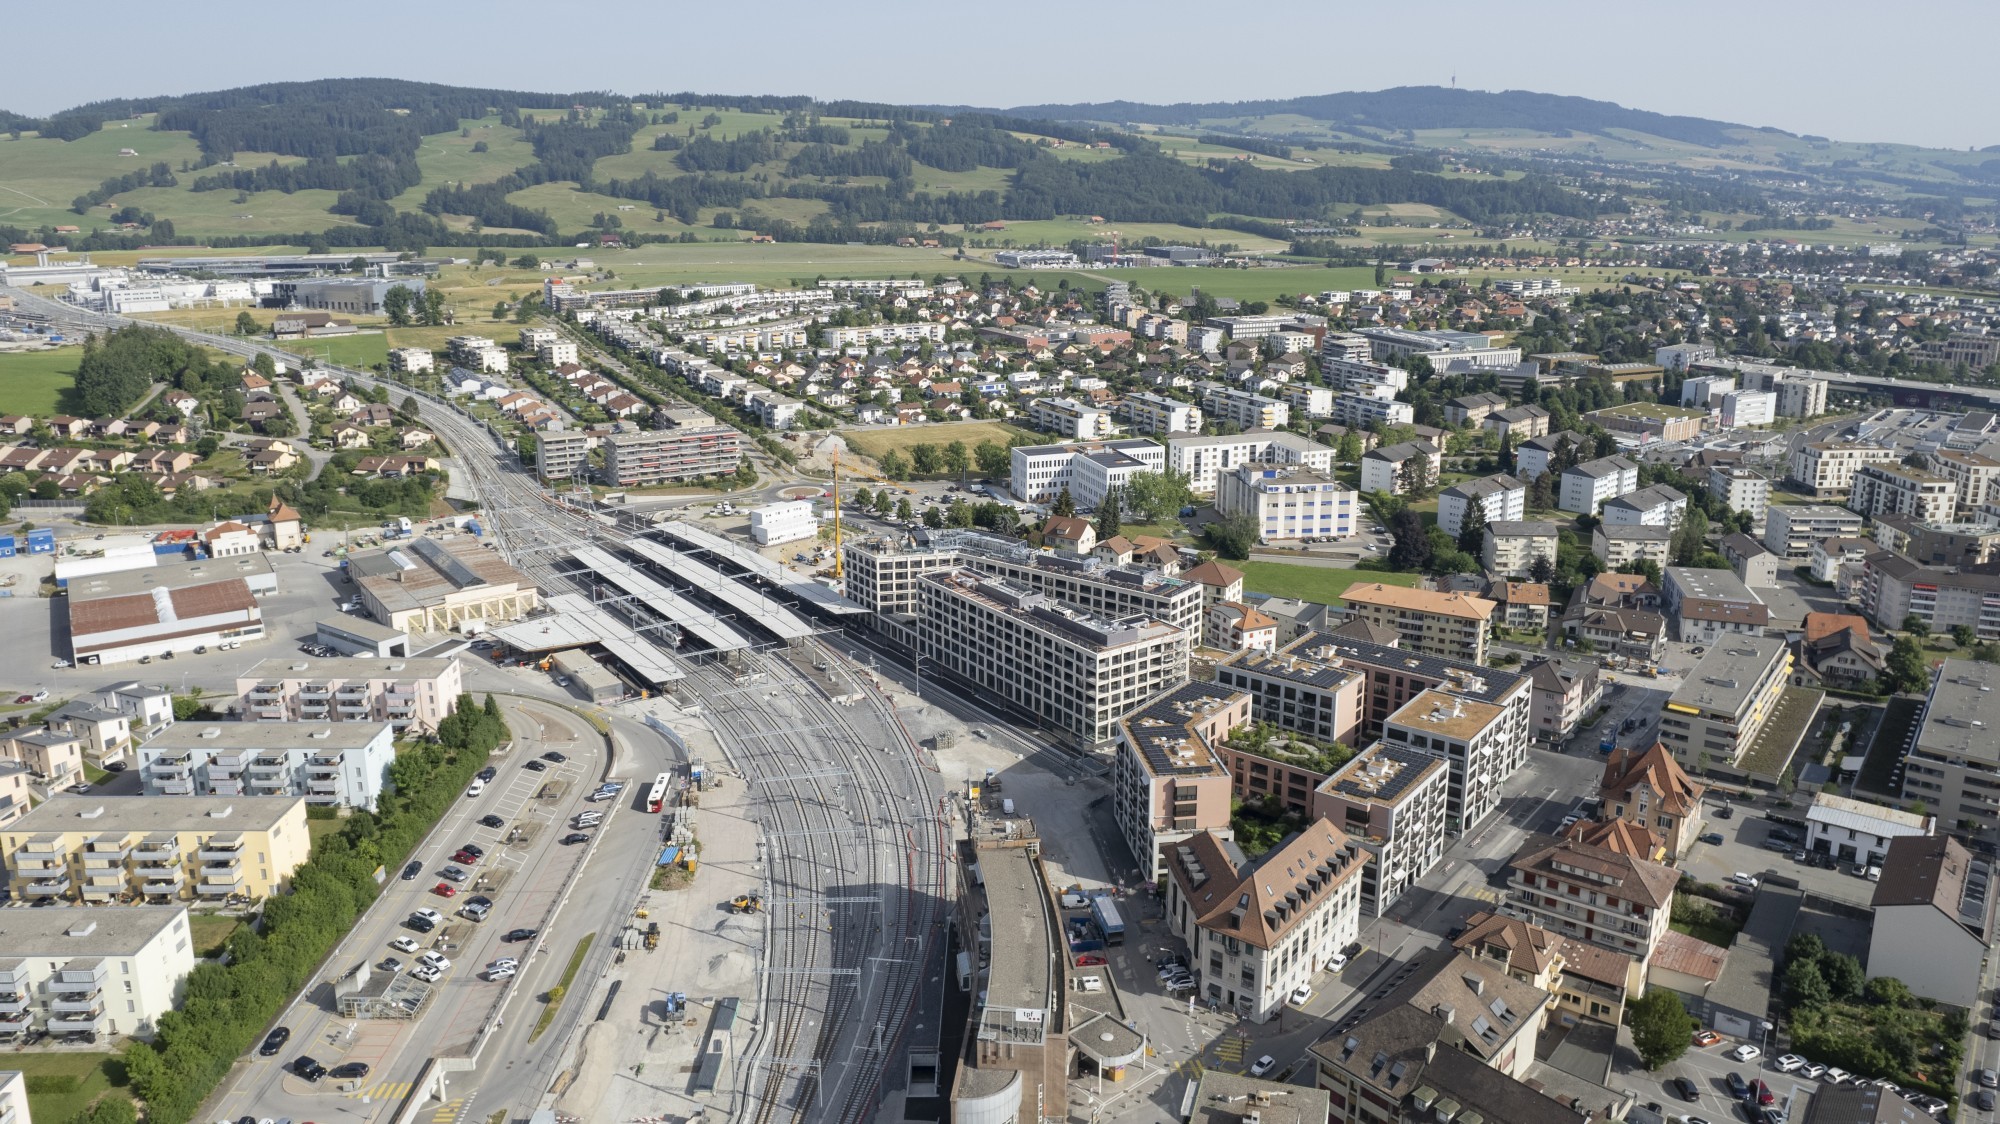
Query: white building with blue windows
{"points": [[1289, 502]]}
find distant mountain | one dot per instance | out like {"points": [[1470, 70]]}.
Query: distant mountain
{"points": [[1412, 107]]}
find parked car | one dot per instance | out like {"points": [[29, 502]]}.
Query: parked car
{"points": [[575, 837], [453, 874], [307, 1068], [492, 821], [554, 756], [1748, 882], [389, 964], [403, 944], [1982, 1100], [1301, 994], [348, 1071], [1746, 1052], [445, 890], [1738, 1087], [514, 935], [115, 766], [1786, 1063], [1706, 1038], [535, 766], [1812, 1070], [275, 1041], [1685, 1088], [412, 869], [1713, 839], [1338, 962]]}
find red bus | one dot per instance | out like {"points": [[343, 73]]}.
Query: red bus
{"points": [[656, 800]]}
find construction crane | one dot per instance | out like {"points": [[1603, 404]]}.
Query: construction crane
{"points": [[858, 471]]}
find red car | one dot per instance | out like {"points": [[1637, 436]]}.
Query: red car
{"points": [[445, 890], [25, 699], [466, 858], [1089, 960]]}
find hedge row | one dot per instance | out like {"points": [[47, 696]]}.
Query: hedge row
{"points": [[227, 1006]]}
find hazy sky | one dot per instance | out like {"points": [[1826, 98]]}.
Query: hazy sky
{"points": [[1839, 68]]}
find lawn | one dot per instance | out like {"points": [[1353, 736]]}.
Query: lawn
{"points": [[38, 383], [90, 1070], [1790, 718], [210, 930], [873, 443], [38, 177], [1320, 584]]}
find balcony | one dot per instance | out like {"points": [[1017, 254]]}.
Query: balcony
{"points": [[265, 693], [265, 768], [40, 855], [319, 691], [229, 759], [234, 786], [157, 851], [179, 786], [80, 1004], [356, 709], [87, 978], [267, 712], [105, 852], [165, 883], [77, 1023], [13, 1002], [220, 887], [45, 887], [327, 787], [17, 1022]]}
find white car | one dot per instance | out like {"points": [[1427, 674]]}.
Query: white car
{"points": [[498, 974], [1263, 1065], [435, 959], [1786, 1063], [1745, 1053], [60, 664], [1338, 962], [426, 974], [1813, 1070], [42, 695], [403, 944], [1745, 880], [505, 962], [1836, 1076]]}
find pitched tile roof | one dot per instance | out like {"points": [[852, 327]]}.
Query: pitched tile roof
{"points": [[1261, 902], [1625, 769], [1649, 883]]}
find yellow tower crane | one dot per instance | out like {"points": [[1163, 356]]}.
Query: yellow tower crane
{"points": [[857, 471]]}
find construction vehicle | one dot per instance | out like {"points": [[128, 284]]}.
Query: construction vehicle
{"points": [[652, 936], [746, 903]]}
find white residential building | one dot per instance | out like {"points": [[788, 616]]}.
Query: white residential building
{"points": [[1203, 459], [1501, 497], [1069, 419], [1536, 455], [412, 360], [1382, 470], [1828, 469], [1377, 405], [915, 332], [1749, 407], [1619, 544], [1702, 392], [1657, 506], [1892, 489], [1156, 413], [1791, 530], [1244, 409], [1586, 486], [333, 764], [1391, 800], [1039, 473], [1289, 502], [557, 352], [1513, 545], [1743, 489], [110, 972], [1976, 477], [1308, 400]]}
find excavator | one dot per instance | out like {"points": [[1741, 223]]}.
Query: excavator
{"points": [[746, 903]]}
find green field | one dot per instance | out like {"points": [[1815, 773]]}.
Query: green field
{"points": [[92, 1072], [1321, 584], [873, 443], [37, 383], [38, 177]]}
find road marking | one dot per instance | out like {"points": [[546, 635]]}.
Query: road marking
{"points": [[450, 1111], [385, 1090]]}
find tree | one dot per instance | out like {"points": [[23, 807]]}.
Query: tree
{"points": [[1844, 977], [1645, 568], [264, 365], [396, 306], [933, 518], [1905, 669], [884, 503], [956, 458], [1661, 1027], [926, 459], [1411, 551], [1963, 635], [863, 498], [246, 324], [1805, 986], [410, 408], [992, 459], [1472, 529], [960, 514], [499, 310], [434, 312], [1065, 504], [1541, 570], [1232, 536], [894, 466], [1415, 478], [1916, 626], [1155, 497], [904, 511], [1690, 538], [1505, 459], [1109, 517]]}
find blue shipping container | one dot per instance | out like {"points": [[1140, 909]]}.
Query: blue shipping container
{"points": [[668, 856], [473, 526], [41, 541], [6, 546]]}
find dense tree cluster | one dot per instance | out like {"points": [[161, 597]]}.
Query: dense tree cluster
{"points": [[116, 372], [159, 175]]}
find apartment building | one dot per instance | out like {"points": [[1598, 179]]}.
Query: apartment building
{"points": [[1451, 625], [1289, 503], [1069, 419], [1151, 413], [1592, 894], [1072, 671], [1938, 544], [635, 458], [1743, 489], [1387, 469], [94, 974], [1391, 800], [1203, 460], [1791, 530], [125, 850], [1500, 497], [1932, 920], [1973, 475], [1892, 489], [1473, 409], [1168, 780], [913, 332], [331, 764], [1586, 486], [1039, 473], [406, 693], [1511, 546], [562, 454], [1588, 981], [412, 360], [1362, 374], [1827, 469], [1748, 407], [1707, 605], [1566, 691], [1298, 691], [1245, 410], [1713, 720], [1477, 741], [1519, 423], [1954, 764], [1257, 930], [1372, 406], [1548, 452], [1307, 399], [1615, 546], [1649, 790], [52, 757], [1895, 588]]}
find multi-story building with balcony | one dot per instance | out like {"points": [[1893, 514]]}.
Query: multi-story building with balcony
{"points": [[96, 974], [1792, 530], [1390, 799], [1512, 545], [1289, 502], [334, 764], [638, 457], [1205, 459], [1953, 766], [1827, 469], [1895, 588], [1450, 625], [1244, 409], [1586, 486], [1723, 703], [150, 850], [1976, 477], [1072, 671], [1892, 489], [409, 694], [1565, 692], [1168, 781], [1151, 413], [53, 758], [1069, 419], [1475, 739], [1040, 473], [1500, 498], [1257, 930], [1592, 894]]}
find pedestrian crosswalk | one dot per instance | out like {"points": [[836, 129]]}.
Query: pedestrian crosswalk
{"points": [[1485, 894], [449, 1111], [383, 1091], [1229, 1049]]}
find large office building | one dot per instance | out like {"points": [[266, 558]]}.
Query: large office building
{"points": [[1391, 800], [358, 296], [1069, 670], [1450, 625], [1255, 931], [1039, 473], [127, 850], [331, 764], [405, 693], [1954, 764], [97, 973], [1203, 460], [1792, 530], [1288, 502], [1827, 469], [436, 585], [1892, 489], [638, 457], [1712, 721], [1168, 780]]}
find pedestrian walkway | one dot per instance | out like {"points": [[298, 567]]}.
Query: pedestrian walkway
{"points": [[383, 1091], [451, 1111]]}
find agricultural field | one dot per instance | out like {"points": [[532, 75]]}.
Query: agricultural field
{"points": [[37, 383], [39, 178], [1060, 232], [874, 443]]}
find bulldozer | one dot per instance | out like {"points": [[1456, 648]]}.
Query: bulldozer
{"points": [[746, 903]]}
